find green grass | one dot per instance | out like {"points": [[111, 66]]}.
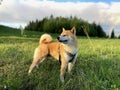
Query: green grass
{"points": [[97, 67]]}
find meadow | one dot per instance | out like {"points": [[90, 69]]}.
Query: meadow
{"points": [[97, 66]]}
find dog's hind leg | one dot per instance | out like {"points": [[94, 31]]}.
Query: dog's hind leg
{"points": [[35, 62], [38, 58], [37, 65]]}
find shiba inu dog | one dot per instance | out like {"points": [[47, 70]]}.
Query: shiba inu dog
{"points": [[65, 50]]}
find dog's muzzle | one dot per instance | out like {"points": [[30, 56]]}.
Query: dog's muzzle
{"points": [[61, 40]]}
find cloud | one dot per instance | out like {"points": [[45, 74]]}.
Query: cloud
{"points": [[26, 10], [22, 11]]}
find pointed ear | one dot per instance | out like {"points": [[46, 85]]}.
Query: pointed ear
{"points": [[73, 30], [63, 29]]}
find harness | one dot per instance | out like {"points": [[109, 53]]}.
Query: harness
{"points": [[72, 56]]}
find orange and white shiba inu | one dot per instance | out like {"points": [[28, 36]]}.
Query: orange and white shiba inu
{"points": [[65, 50]]}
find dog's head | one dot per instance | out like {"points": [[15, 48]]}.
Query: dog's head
{"points": [[67, 36]]}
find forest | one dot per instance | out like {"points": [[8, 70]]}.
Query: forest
{"points": [[55, 25]]}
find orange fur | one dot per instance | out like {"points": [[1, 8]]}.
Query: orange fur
{"points": [[57, 49]]}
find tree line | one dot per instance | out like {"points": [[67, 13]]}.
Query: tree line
{"points": [[54, 25]]}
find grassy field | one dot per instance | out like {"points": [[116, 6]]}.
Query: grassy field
{"points": [[97, 66]]}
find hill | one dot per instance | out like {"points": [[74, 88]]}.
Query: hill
{"points": [[9, 31], [6, 31]]}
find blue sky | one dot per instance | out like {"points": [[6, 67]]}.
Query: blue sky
{"points": [[106, 1]]}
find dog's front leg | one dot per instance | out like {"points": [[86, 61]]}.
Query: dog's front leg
{"points": [[63, 69], [70, 66]]}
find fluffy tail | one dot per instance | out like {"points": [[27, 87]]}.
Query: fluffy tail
{"points": [[45, 38]]}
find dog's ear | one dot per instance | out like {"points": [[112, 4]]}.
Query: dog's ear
{"points": [[73, 30], [63, 29]]}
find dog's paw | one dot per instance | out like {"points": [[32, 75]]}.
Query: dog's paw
{"points": [[29, 72], [62, 79]]}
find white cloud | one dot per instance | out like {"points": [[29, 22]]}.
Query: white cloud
{"points": [[22, 11]]}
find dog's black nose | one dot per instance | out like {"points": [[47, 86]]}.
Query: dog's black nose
{"points": [[58, 37]]}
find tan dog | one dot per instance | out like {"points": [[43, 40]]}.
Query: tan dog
{"points": [[65, 50]]}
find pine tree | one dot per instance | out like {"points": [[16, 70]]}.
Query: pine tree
{"points": [[54, 25], [112, 34], [119, 37]]}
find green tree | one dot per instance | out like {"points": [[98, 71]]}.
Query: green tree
{"points": [[55, 25], [93, 30], [100, 32], [112, 34], [119, 37]]}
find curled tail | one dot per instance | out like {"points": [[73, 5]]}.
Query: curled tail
{"points": [[45, 38]]}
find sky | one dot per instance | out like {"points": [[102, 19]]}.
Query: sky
{"points": [[19, 12]]}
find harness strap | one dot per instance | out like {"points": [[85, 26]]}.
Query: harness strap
{"points": [[71, 55]]}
